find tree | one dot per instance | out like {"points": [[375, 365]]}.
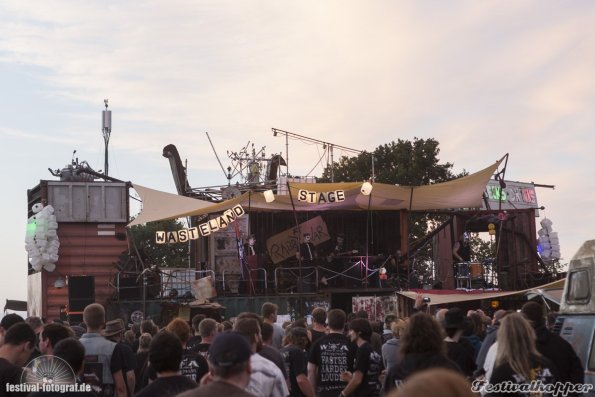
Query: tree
{"points": [[161, 255]]}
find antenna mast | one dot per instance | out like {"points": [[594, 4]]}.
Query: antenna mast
{"points": [[106, 121]]}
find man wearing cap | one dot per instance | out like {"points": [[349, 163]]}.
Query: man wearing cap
{"points": [[165, 356], [229, 360], [114, 330]]}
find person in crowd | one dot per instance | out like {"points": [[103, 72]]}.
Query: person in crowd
{"points": [[72, 352], [193, 365], [471, 333], [553, 346], [391, 354], [229, 359], [114, 331], [78, 331], [387, 332], [517, 359], [148, 326], [330, 356], [294, 356], [37, 324], [269, 315], [142, 360], [265, 348], [364, 380], [422, 347], [266, 379], [318, 328], [8, 321], [50, 335], [375, 338], [195, 339], [488, 341], [19, 342], [227, 326], [135, 328], [165, 356], [440, 315], [207, 329], [103, 362], [129, 338], [435, 382], [458, 350]]}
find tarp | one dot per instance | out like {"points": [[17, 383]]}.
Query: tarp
{"points": [[14, 305], [445, 297], [465, 192]]}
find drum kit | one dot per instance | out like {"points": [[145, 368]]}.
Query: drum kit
{"points": [[470, 274]]}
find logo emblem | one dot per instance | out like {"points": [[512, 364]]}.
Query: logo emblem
{"points": [[48, 370]]}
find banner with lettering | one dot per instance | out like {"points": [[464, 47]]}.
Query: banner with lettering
{"points": [[285, 244]]}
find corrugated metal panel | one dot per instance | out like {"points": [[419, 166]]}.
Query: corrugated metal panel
{"points": [[88, 202], [84, 252]]}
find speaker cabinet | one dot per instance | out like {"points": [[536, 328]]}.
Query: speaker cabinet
{"points": [[81, 292]]}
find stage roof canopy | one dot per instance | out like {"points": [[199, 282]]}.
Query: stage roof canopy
{"points": [[465, 192]]}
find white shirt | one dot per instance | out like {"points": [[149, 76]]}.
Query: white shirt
{"points": [[266, 379]]}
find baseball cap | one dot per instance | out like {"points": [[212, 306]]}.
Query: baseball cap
{"points": [[228, 349]]}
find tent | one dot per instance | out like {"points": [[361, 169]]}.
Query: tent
{"points": [[445, 297], [464, 192]]}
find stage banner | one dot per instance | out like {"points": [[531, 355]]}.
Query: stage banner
{"points": [[285, 244], [377, 307]]}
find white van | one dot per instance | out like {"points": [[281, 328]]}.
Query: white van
{"points": [[576, 321]]}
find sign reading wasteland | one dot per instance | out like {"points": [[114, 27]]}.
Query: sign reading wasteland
{"points": [[285, 244]]}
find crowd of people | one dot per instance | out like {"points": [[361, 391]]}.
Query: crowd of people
{"points": [[446, 353]]}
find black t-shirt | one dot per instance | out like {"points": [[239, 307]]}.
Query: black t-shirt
{"points": [[295, 364], [332, 354], [193, 342], [193, 366], [167, 386], [272, 354], [462, 354], [543, 369], [369, 363], [202, 349], [9, 374], [316, 335], [142, 359]]}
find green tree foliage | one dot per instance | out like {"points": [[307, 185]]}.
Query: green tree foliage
{"points": [[162, 255], [407, 163]]}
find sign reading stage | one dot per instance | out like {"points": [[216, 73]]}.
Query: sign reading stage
{"points": [[321, 197]]}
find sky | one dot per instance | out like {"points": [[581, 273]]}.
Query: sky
{"points": [[483, 78]]}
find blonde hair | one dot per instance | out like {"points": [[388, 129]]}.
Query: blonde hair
{"points": [[516, 344], [398, 327]]}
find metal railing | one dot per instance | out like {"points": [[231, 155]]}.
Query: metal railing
{"points": [[229, 278]]}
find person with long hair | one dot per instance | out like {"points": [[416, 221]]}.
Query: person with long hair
{"points": [[422, 347], [517, 359], [294, 356]]}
